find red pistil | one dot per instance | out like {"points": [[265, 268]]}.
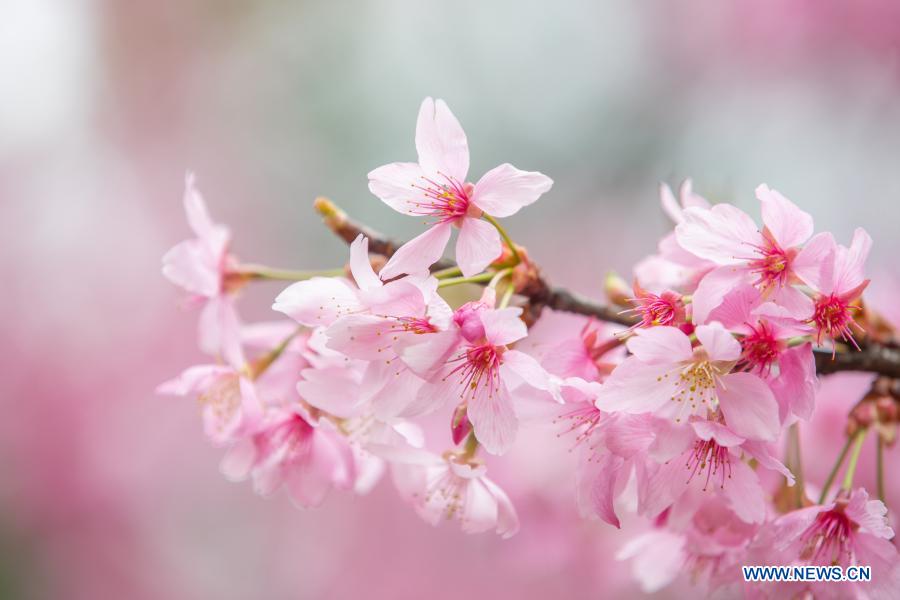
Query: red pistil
{"points": [[760, 349], [828, 538], [834, 317], [445, 202], [714, 459], [773, 265]]}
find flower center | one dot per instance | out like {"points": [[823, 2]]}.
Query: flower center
{"points": [[222, 399], [772, 267], [695, 388], [709, 456], [476, 364], [584, 419], [656, 310], [834, 318], [828, 538], [760, 349], [446, 200], [417, 325]]}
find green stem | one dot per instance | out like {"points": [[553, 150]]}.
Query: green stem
{"points": [[264, 272], [507, 295], [854, 457], [504, 235], [259, 366], [480, 278], [471, 446], [498, 277], [796, 461], [834, 470], [879, 467], [448, 272]]}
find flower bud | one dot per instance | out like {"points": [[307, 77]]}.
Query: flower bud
{"points": [[460, 427], [616, 289]]}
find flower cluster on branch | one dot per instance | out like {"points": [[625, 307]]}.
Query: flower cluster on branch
{"points": [[676, 391]]}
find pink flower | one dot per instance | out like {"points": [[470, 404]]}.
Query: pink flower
{"points": [[673, 267], [665, 308], [769, 259], [707, 458], [436, 188], [322, 300], [471, 364], [231, 406], [838, 281], [452, 488], [230, 399], [670, 378], [287, 450], [204, 267], [708, 546], [849, 531], [377, 340], [765, 331]]}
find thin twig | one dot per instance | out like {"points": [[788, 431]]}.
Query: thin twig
{"points": [[873, 358]]}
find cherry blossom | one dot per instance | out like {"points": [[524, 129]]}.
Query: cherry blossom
{"points": [[436, 188]]}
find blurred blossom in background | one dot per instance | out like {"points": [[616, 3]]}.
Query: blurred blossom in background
{"points": [[111, 491]]}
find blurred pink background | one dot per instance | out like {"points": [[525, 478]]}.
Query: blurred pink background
{"points": [[111, 491]]}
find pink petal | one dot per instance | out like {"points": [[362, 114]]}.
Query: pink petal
{"points": [[503, 326], [669, 439], [745, 494], [659, 558], [503, 190], [193, 380], [479, 508], [718, 342], [795, 303], [789, 225], [507, 519], [493, 418], [670, 205], [238, 460], [635, 387], [723, 234], [596, 487], [796, 385], [715, 287], [814, 264], [760, 452], [749, 407], [849, 271], [361, 267], [189, 265], [870, 515], [662, 345], [526, 368], [710, 430], [367, 337], [478, 246], [401, 297], [398, 391], [418, 254], [219, 331], [335, 390], [318, 301], [394, 185], [442, 389], [424, 354], [441, 141], [629, 435]]}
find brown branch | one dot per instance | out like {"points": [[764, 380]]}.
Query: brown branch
{"points": [[873, 358]]}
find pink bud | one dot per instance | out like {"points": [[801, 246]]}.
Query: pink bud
{"points": [[460, 427]]}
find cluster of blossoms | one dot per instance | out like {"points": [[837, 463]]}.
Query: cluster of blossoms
{"points": [[677, 410]]}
